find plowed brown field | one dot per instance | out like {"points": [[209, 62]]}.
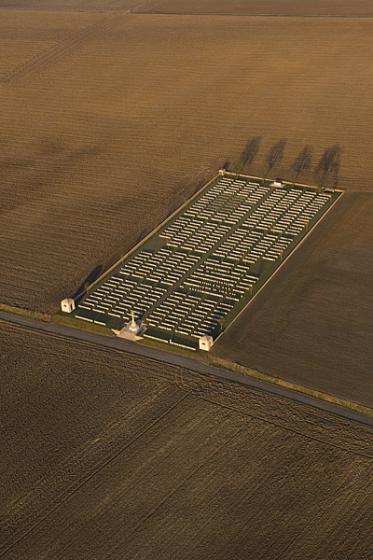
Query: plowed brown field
{"points": [[106, 456], [71, 5], [346, 8], [108, 122], [312, 324]]}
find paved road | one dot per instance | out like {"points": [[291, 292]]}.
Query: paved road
{"points": [[188, 363]]}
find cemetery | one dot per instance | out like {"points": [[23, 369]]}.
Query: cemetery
{"points": [[192, 277]]}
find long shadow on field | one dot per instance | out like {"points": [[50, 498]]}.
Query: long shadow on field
{"points": [[275, 155], [303, 161], [82, 153], [328, 168], [249, 152], [92, 276], [52, 150], [226, 165]]}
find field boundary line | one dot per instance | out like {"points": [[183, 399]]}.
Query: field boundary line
{"points": [[254, 15], [229, 371], [280, 267], [289, 183]]}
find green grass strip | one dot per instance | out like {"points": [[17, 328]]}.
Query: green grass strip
{"points": [[233, 366], [25, 313]]}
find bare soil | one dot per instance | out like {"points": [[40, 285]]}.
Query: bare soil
{"points": [[343, 8], [108, 456], [109, 121], [359, 8], [71, 5], [312, 324]]}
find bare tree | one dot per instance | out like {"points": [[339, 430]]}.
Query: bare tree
{"points": [[329, 165], [275, 154], [249, 152], [303, 160]]}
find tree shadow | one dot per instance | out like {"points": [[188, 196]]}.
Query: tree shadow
{"points": [[275, 155], [82, 153], [328, 168], [92, 277], [249, 152], [52, 147], [303, 160]]}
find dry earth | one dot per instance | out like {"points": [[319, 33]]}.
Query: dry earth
{"points": [[312, 324], [71, 5], [345, 8], [108, 122], [104, 456]]}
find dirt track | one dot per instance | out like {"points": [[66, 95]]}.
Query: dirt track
{"points": [[104, 457], [186, 362]]}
